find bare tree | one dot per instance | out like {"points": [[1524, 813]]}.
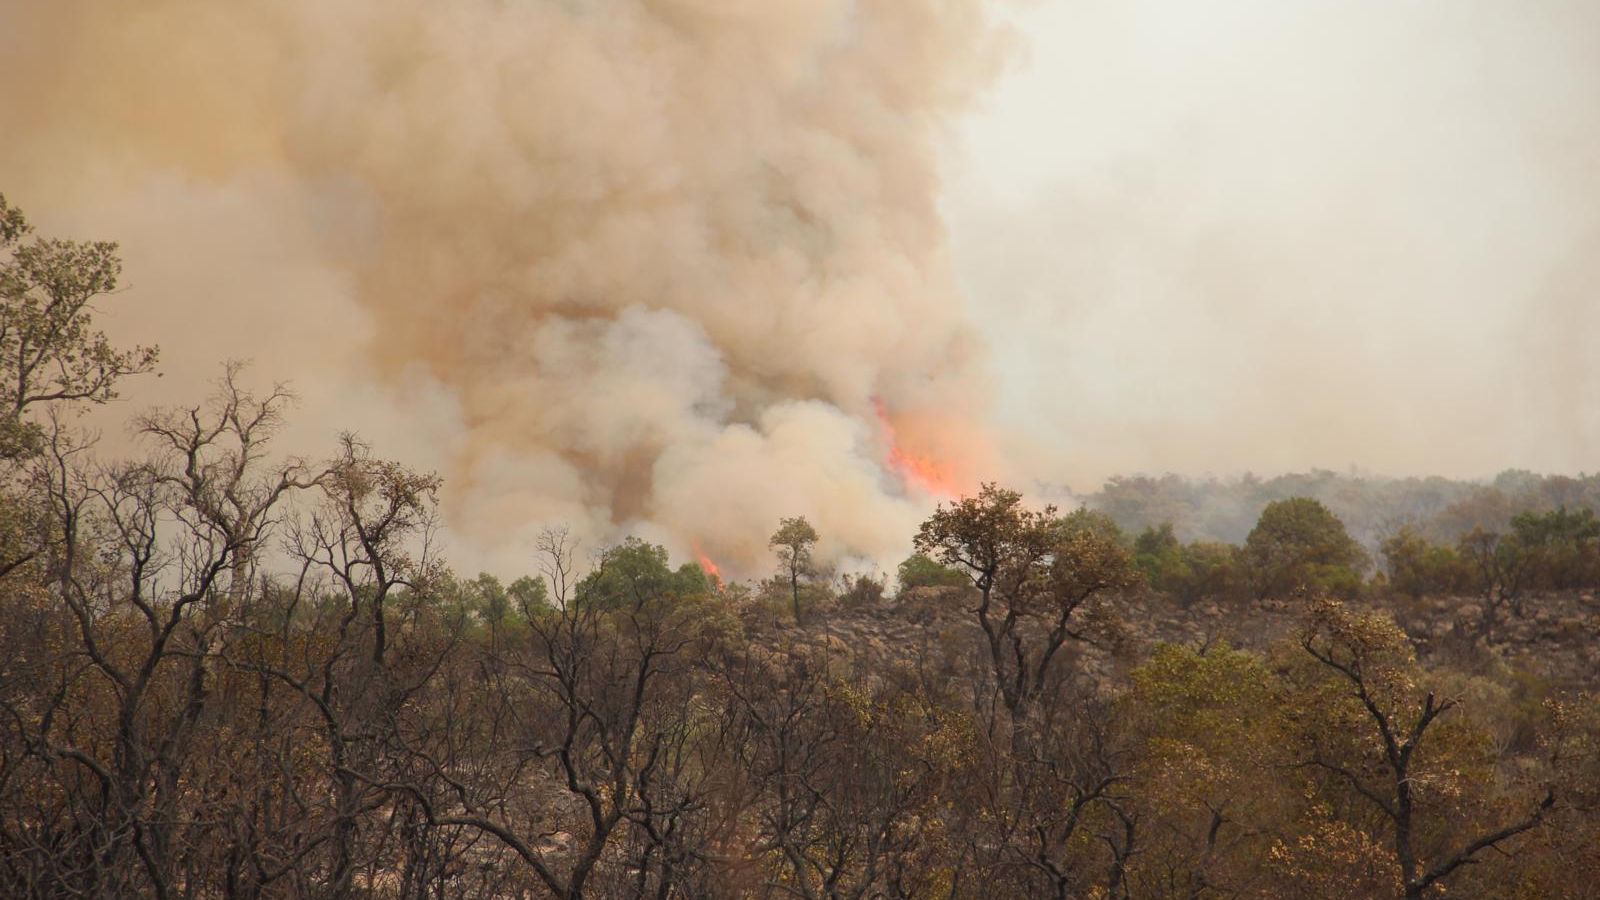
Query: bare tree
{"points": [[143, 564], [1502, 566], [588, 734], [840, 790]]}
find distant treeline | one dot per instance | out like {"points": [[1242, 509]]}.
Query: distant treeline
{"points": [[1372, 508], [1299, 543]]}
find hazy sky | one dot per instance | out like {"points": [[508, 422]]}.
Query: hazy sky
{"points": [[1258, 234]]}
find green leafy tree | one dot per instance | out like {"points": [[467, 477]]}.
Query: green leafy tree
{"points": [[1030, 569], [1563, 546], [1298, 542], [1186, 572], [487, 597], [860, 589], [920, 571], [1209, 725], [1210, 569], [1418, 568], [793, 542], [530, 595], [1157, 552], [1095, 522], [50, 357], [634, 573], [49, 350]]}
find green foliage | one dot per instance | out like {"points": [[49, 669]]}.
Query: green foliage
{"points": [[1029, 566], [860, 590], [49, 350], [1401, 748], [778, 595], [1211, 725], [487, 598], [1418, 568], [1361, 643], [794, 537], [1036, 560], [793, 543], [1091, 521], [1210, 569], [1186, 572], [13, 224], [494, 603], [920, 571], [1086, 564], [1156, 549], [1299, 543], [634, 574], [1553, 550], [1226, 509], [530, 595], [1216, 699], [991, 536], [1564, 547]]}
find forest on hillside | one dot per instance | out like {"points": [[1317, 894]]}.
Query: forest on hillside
{"points": [[229, 674], [1372, 508]]}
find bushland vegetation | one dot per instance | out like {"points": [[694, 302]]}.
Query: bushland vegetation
{"points": [[226, 673]]}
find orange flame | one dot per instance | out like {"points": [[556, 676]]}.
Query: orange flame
{"points": [[917, 471], [712, 570]]}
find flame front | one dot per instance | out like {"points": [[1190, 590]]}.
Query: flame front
{"points": [[712, 570], [917, 471]]}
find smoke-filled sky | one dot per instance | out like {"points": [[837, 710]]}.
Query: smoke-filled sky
{"points": [[654, 266], [1277, 234]]}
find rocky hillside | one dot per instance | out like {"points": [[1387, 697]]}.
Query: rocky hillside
{"points": [[1557, 638]]}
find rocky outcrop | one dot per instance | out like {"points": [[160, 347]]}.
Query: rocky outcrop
{"points": [[1557, 638]]}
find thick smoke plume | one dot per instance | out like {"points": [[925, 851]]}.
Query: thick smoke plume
{"points": [[635, 266]]}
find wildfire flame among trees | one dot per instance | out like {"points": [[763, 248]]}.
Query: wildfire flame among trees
{"points": [[707, 565]]}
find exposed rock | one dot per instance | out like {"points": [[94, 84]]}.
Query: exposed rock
{"points": [[1558, 639]]}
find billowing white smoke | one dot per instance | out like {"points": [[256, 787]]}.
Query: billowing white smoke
{"points": [[627, 265]]}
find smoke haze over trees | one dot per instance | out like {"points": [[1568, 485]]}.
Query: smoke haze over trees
{"points": [[757, 356], [1372, 507], [230, 671]]}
